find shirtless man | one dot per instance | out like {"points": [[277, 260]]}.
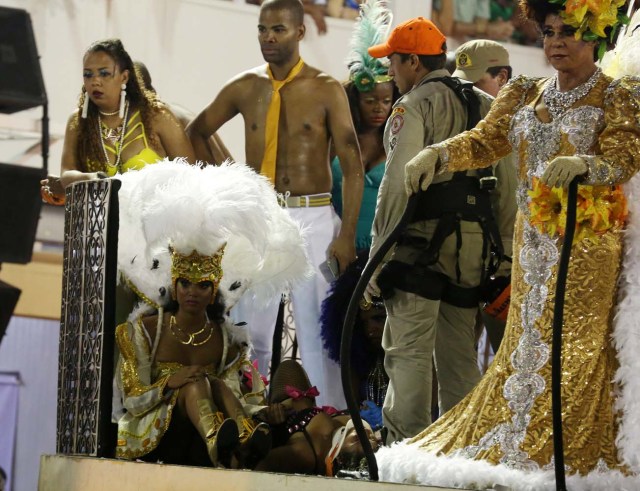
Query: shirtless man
{"points": [[314, 112]]}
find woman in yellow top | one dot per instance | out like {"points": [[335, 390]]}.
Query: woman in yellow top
{"points": [[118, 126]]}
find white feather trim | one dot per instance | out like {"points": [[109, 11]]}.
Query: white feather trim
{"points": [[626, 335], [408, 464], [624, 59], [238, 334]]}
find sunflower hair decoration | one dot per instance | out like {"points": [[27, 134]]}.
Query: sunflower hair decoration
{"points": [[592, 19], [371, 27]]}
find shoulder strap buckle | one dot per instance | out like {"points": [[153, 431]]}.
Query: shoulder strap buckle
{"points": [[488, 183]]}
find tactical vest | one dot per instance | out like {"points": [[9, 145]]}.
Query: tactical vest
{"points": [[463, 198]]}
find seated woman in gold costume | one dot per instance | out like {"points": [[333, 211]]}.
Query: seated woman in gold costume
{"points": [[192, 241], [118, 126], [578, 123], [185, 365]]}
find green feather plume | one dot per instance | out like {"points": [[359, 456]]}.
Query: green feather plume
{"points": [[371, 28]]}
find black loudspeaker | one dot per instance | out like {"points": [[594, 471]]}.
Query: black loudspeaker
{"points": [[21, 84], [9, 296], [20, 205]]}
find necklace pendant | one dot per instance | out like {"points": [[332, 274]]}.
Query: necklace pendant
{"points": [[112, 134]]}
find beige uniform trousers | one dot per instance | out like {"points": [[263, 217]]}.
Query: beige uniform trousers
{"points": [[419, 330]]}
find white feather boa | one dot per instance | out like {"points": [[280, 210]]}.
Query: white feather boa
{"points": [[626, 336], [407, 463]]}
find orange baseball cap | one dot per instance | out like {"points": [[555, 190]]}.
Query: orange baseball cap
{"points": [[417, 36]]}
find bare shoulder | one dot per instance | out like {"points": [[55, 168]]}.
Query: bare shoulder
{"points": [[162, 120], [73, 122], [326, 89], [248, 77], [160, 110], [321, 78]]}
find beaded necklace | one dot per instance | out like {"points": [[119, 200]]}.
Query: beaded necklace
{"points": [[118, 147], [559, 102], [109, 114]]}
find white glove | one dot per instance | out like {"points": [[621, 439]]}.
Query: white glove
{"points": [[561, 171], [372, 289], [419, 171]]}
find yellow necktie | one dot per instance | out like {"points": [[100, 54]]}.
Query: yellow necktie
{"points": [[268, 167]]}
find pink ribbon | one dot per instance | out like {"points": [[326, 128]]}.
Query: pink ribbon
{"points": [[296, 393]]}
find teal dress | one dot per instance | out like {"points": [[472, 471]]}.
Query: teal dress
{"points": [[372, 180]]}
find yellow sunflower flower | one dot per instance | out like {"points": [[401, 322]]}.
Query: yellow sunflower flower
{"points": [[599, 209]]}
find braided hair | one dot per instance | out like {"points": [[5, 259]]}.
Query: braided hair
{"points": [[89, 140]]}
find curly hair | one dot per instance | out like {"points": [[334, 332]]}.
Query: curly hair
{"points": [[538, 10], [89, 141], [333, 312]]}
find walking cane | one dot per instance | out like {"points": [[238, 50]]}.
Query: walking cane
{"points": [[347, 334], [556, 345]]}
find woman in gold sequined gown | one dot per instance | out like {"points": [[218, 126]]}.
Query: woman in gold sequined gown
{"points": [[579, 122]]}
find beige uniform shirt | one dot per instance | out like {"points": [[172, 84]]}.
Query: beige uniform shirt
{"points": [[427, 114]]}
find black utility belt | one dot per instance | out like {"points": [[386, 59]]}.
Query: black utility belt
{"points": [[425, 283], [461, 196]]}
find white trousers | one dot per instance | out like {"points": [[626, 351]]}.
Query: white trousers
{"points": [[321, 225]]}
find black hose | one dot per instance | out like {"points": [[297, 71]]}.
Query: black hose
{"points": [[556, 346], [347, 334]]}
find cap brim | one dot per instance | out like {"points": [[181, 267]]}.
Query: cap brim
{"points": [[471, 75], [380, 50]]}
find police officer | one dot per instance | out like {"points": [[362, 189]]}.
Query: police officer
{"points": [[432, 277]]}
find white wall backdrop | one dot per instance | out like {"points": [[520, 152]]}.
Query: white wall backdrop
{"points": [[30, 349], [9, 391]]}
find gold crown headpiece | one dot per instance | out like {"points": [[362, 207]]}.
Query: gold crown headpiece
{"points": [[196, 267]]}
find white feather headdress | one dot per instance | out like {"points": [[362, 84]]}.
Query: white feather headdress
{"points": [[174, 205]]}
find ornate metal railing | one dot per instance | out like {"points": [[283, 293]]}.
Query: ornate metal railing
{"points": [[87, 320]]}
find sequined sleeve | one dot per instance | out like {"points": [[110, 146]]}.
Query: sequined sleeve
{"points": [[488, 141], [617, 157], [253, 401], [140, 395]]}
